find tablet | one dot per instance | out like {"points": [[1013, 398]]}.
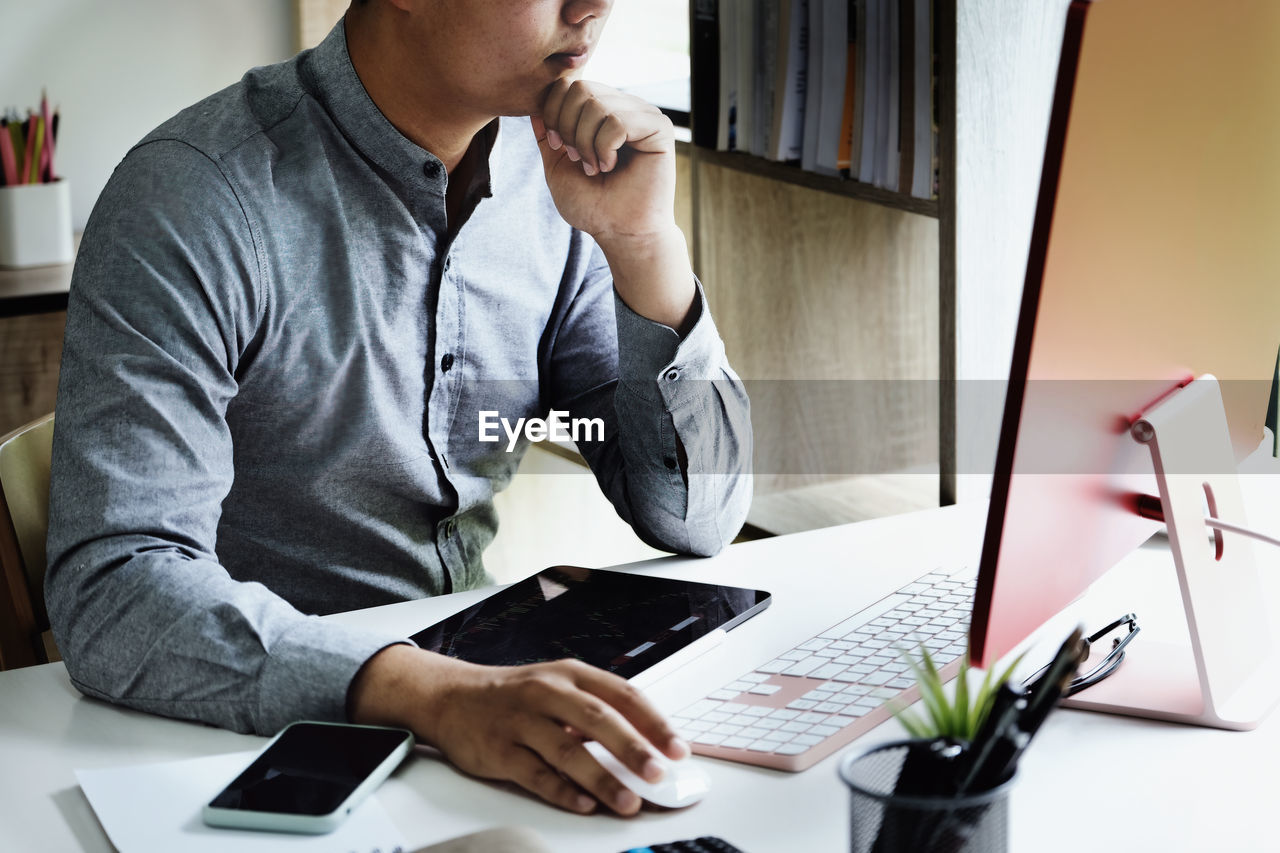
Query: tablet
{"points": [[622, 622]]}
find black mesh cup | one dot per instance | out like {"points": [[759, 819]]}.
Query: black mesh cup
{"points": [[886, 817]]}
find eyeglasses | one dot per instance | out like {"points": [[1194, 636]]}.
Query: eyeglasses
{"points": [[1109, 663]]}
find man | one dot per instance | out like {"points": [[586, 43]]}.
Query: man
{"points": [[292, 302]]}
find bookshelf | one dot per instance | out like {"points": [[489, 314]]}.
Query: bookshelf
{"points": [[836, 300]]}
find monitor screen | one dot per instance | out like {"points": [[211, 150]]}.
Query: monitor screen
{"points": [[1154, 258]]}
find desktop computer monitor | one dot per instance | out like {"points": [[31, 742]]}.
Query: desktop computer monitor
{"points": [[1155, 258]]}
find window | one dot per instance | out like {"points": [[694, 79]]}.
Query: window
{"points": [[645, 51]]}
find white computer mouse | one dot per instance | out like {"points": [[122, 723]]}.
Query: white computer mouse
{"points": [[683, 783]]}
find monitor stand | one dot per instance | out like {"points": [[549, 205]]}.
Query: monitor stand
{"points": [[1225, 677]]}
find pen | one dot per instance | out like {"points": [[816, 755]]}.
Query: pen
{"points": [[46, 154], [1000, 744]]}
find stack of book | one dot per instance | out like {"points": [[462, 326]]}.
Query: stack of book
{"points": [[842, 87]]}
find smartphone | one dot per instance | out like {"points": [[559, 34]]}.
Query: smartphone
{"points": [[310, 777]]}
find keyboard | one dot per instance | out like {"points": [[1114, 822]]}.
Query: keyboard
{"points": [[811, 700]]}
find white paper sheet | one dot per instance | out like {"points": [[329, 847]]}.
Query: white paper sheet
{"points": [[155, 808]]}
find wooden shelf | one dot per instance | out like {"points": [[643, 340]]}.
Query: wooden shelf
{"points": [[816, 278], [793, 174]]}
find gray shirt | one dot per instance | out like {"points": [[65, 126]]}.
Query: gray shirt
{"points": [[277, 352]]}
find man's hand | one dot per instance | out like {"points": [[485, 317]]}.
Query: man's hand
{"points": [[609, 159], [524, 724]]}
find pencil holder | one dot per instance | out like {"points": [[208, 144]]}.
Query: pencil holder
{"points": [[35, 225], [886, 818]]}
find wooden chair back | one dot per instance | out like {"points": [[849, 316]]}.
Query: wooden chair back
{"points": [[25, 456]]}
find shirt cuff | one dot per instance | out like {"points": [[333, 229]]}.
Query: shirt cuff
{"points": [[656, 364], [310, 670]]}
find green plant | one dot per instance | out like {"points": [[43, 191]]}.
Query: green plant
{"points": [[959, 717]]}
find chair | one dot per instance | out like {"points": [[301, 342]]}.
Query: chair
{"points": [[25, 453]]}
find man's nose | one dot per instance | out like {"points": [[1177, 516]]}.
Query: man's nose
{"points": [[579, 11]]}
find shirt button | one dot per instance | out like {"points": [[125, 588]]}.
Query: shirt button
{"points": [[431, 169], [446, 362], [673, 375], [671, 463]]}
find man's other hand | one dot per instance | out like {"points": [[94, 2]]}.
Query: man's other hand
{"points": [[524, 724]]}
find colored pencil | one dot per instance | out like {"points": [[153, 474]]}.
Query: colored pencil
{"points": [[8, 165], [28, 137], [35, 149]]}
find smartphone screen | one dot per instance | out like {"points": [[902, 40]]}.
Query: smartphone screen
{"points": [[310, 769]]}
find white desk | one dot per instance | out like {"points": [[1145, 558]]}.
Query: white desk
{"points": [[1090, 782]]}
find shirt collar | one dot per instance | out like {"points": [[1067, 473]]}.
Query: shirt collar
{"points": [[339, 89]]}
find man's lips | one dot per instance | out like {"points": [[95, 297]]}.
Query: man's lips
{"points": [[574, 57]]}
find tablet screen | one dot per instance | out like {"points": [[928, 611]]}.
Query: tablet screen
{"points": [[618, 621]]}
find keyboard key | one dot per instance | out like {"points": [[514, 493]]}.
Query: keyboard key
{"points": [[734, 707], [741, 720], [803, 667], [848, 677], [768, 723], [791, 749], [754, 733], [814, 644], [774, 666], [757, 711], [794, 728], [716, 716], [824, 731], [697, 726], [829, 707], [697, 709], [709, 739], [827, 671], [762, 746], [738, 686], [764, 689], [840, 721], [737, 742], [811, 718], [783, 714], [842, 645], [754, 677], [794, 655], [828, 653], [726, 729], [801, 704], [902, 683], [723, 694], [807, 740], [777, 737]]}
